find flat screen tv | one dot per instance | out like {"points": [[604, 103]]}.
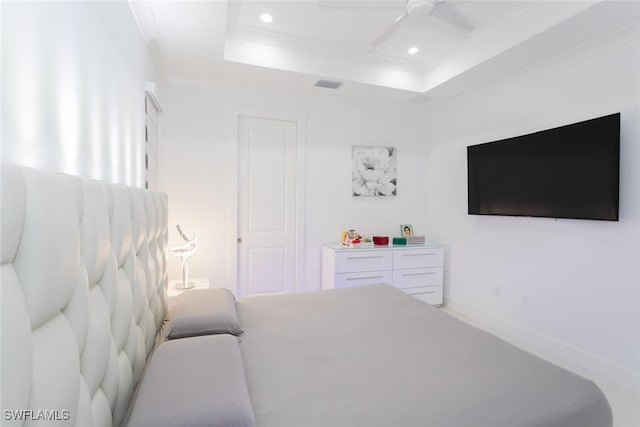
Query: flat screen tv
{"points": [[567, 172]]}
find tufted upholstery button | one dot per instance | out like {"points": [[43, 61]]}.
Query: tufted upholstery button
{"points": [[83, 269]]}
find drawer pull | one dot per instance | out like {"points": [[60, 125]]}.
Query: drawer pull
{"points": [[365, 278], [426, 254], [419, 274], [365, 257]]}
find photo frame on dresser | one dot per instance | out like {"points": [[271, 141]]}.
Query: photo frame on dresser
{"points": [[406, 230]]}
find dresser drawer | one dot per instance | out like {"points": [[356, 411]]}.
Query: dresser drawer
{"points": [[418, 258], [431, 295], [415, 277], [354, 261], [346, 280]]}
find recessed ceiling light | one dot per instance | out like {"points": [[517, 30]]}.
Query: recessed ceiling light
{"points": [[413, 50], [265, 17]]}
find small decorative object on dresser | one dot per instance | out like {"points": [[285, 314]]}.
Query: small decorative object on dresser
{"points": [[406, 230], [380, 240], [350, 236], [416, 240], [417, 269], [399, 241], [352, 239]]}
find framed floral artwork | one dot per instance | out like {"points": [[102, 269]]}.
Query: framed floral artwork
{"points": [[373, 171]]}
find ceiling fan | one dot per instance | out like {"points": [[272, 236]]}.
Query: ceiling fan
{"points": [[441, 10]]}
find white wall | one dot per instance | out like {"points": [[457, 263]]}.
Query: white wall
{"points": [[567, 286], [197, 170], [73, 89]]}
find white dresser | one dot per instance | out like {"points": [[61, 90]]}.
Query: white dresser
{"points": [[417, 270]]}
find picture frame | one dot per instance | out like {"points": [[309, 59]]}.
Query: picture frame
{"points": [[374, 171], [406, 230]]}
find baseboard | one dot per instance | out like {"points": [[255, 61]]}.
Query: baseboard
{"points": [[549, 348]]}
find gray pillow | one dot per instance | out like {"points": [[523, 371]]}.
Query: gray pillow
{"points": [[198, 381], [203, 312]]}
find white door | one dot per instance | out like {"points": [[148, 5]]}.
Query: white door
{"points": [[267, 205]]}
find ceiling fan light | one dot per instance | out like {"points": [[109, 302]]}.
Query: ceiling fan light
{"points": [[266, 18], [413, 50]]}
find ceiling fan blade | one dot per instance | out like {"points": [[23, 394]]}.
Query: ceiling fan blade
{"points": [[388, 32], [446, 12], [361, 4]]}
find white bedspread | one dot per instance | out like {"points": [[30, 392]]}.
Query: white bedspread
{"points": [[374, 356]]}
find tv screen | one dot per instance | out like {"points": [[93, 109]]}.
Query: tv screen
{"points": [[566, 172]]}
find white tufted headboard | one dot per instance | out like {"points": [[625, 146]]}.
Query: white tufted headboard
{"points": [[83, 276]]}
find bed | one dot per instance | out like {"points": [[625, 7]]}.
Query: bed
{"points": [[84, 343], [375, 356]]}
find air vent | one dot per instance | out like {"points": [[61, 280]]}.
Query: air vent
{"points": [[329, 84]]}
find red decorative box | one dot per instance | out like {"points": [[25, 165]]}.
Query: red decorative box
{"points": [[380, 240]]}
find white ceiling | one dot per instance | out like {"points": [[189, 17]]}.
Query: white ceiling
{"points": [[331, 39]]}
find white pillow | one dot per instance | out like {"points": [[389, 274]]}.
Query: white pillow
{"points": [[198, 381], [203, 312]]}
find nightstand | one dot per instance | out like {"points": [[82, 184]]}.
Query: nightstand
{"points": [[172, 292]]}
